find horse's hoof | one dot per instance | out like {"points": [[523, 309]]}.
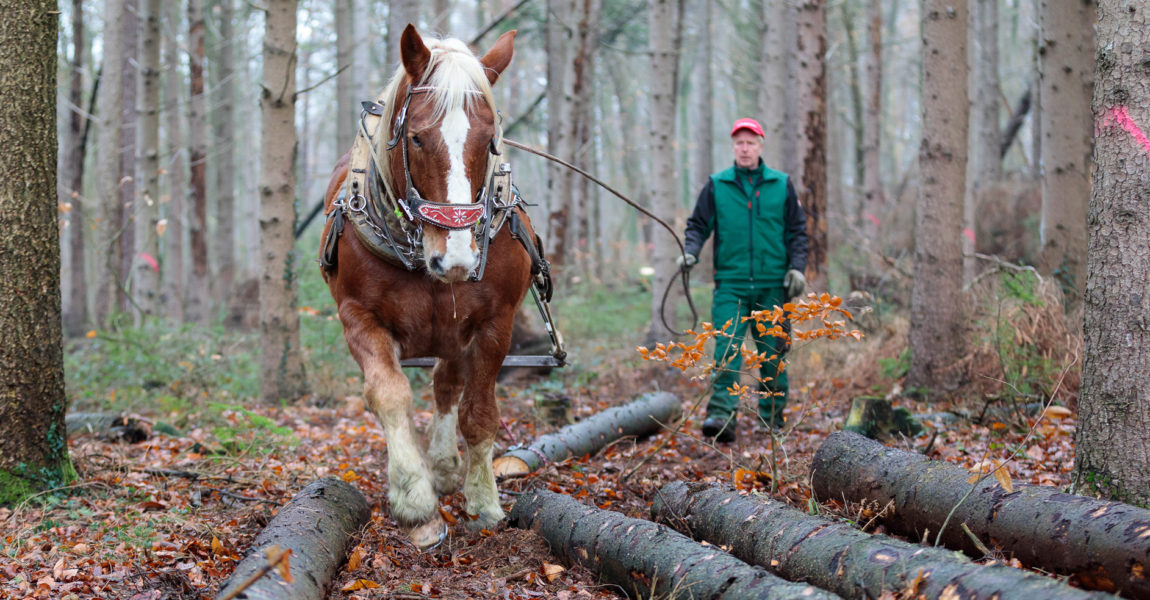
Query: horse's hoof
{"points": [[483, 520], [430, 534]]}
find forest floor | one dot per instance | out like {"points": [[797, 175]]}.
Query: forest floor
{"points": [[170, 517]]}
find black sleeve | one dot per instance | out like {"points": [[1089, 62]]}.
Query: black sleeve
{"points": [[796, 230], [702, 220]]}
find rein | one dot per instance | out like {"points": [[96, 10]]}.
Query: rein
{"points": [[684, 272]]}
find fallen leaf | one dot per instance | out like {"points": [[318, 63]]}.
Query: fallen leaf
{"points": [[1058, 412], [359, 584], [1003, 477], [551, 571]]}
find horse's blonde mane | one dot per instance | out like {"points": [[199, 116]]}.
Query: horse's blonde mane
{"points": [[455, 79]]}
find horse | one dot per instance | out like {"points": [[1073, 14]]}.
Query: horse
{"points": [[451, 292]]}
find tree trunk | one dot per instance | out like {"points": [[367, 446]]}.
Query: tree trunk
{"points": [[640, 418], [560, 113], [811, 179], [1066, 59], [281, 364], [147, 272], [837, 557], [76, 316], [665, 44], [223, 140], [199, 288], [129, 24], [174, 272], [1103, 545], [1112, 457], [646, 559], [108, 223], [702, 132], [857, 105], [33, 449], [318, 526], [937, 334], [399, 14], [873, 203], [582, 126], [347, 109], [984, 167], [772, 83]]}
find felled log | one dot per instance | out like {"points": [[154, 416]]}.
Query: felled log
{"points": [[1103, 545], [639, 418], [836, 556], [646, 559], [874, 417], [109, 426], [318, 526]]}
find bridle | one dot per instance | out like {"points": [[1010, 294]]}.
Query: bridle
{"points": [[485, 216]]}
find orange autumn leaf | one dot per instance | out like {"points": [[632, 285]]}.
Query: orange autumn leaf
{"points": [[359, 584]]}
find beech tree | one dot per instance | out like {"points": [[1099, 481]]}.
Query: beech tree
{"points": [[33, 449], [937, 331], [1112, 458]]}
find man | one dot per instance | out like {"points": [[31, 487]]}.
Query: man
{"points": [[760, 254]]}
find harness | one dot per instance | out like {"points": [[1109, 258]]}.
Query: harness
{"points": [[390, 226]]}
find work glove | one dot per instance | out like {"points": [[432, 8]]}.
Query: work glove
{"points": [[686, 261], [795, 283]]}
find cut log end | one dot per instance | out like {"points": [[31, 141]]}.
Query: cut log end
{"points": [[510, 466]]}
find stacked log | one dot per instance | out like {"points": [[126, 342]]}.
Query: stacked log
{"points": [[1103, 545], [836, 556], [646, 559]]}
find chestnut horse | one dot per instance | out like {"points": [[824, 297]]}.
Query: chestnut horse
{"points": [[456, 302]]}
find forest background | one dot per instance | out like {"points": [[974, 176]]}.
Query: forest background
{"points": [[948, 199]]}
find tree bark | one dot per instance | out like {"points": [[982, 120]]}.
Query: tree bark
{"points": [[937, 335], [318, 526], [199, 288], [665, 41], [1103, 545], [110, 218], [1066, 61], [347, 109], [772, 83], [873, 203], [223, 140], [643, 558], [129, 25], [560, 140], [837, 557], [33, 449], [642, 417], [281, 364], [1112, 456], [811, 179], [174, 272], [399, 14], [984, 167], [147, 273]]}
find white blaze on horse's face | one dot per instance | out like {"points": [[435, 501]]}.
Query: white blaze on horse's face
{"points": [[460, 255]]}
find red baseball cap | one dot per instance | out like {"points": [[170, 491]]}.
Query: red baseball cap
{"points": [[749, 124]]}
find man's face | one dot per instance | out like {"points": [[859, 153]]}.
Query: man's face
{"points": [[747, 147]]}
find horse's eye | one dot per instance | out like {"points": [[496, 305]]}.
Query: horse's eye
{"points": [[415, 140]]}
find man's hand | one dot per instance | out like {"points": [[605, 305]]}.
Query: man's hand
{"points": [[686, 261], [794, 282]]}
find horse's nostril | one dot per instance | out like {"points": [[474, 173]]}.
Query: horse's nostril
{"points": [[436, 264]]}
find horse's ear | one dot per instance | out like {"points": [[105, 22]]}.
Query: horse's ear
{"points": [[413, 52], [499, 56]]}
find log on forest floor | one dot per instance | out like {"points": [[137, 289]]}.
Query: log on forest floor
{"points": [[1103, 545], [318, 526], [109, 426], [646, 559], [836, 556], [642, 417]]}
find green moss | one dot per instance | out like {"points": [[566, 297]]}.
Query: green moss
{"points": [[18, 484]]}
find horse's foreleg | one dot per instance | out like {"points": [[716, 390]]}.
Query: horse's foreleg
{"points": [[442, 449], [479, 420], [414, 502]]}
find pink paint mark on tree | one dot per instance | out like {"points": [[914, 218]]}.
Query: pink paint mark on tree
{"points": [[1119, 116], [873, 219], [968, 233]]}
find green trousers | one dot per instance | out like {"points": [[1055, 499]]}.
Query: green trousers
{"points": [[733, 302]]}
